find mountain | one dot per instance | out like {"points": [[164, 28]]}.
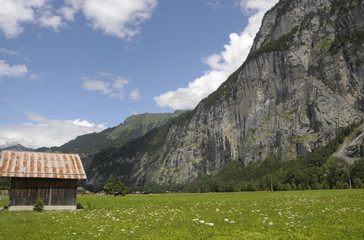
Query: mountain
{"points": [[18, 147], [134, 126], [302, 82]]}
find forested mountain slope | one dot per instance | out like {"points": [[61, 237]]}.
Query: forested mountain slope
{"points": [[133, 127]]}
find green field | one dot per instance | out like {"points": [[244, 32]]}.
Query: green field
{"points": [[326, 214]]}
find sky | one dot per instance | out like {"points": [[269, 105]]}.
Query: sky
{"points": [[73, 67]]}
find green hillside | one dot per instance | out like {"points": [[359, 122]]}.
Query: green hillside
{"points": [[133, 127]]}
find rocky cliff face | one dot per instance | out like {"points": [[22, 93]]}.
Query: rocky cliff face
{"points": [[303, 80], [353, 147]]}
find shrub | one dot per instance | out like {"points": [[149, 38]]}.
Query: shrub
{"points": [[358, 183], [38, 206], [339, 185]]}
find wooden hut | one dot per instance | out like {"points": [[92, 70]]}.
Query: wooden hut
{"points": [[50, 176]]}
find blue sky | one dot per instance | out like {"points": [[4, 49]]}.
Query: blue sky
{"points": [[78, 66]]}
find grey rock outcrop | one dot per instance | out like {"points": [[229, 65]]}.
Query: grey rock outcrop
{"points": [[353, 147], [303, 80]]}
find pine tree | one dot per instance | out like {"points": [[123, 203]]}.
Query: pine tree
{"points": [[114, 185]]}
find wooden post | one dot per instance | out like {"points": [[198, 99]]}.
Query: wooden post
{"points": [[50, 194]]}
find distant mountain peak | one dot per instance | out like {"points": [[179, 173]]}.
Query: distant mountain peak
{"points": [[18, 147]]}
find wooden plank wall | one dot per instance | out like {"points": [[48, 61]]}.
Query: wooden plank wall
{"points": [[24, 191]]}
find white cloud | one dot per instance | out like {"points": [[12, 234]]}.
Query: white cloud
{"points": [[7, 51], [120, 82], [135, 94], [14, 13], [12, 71], [35, 76], [95, 85], [221, 64], [49, 20], [45, 132], [109, 85], [114, 17], [214, 4], [84, 123], [251, 6], [71, 8], [68, 13], [76, 4], [118, 18]]}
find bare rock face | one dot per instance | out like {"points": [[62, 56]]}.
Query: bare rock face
{"points": [[303, 80], [353, 147]]}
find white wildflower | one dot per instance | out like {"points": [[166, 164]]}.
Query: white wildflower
{"points": [[226, 219], [271, 223]]}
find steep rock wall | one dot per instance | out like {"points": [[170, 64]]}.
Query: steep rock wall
{"points": [[303, 80]]}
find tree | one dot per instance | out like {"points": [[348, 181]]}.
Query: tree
{"points": [[357, 170], [114, 185], [358, 183], [38, 205], [335, 172], [4, 183]]}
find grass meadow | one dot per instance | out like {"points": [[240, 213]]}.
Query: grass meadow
{"points": [[323, 214]]}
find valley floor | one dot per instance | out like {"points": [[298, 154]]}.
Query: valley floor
{"points": [[322, 214]]}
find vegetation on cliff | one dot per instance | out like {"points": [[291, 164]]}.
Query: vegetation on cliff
{"points": [[318, 170]]}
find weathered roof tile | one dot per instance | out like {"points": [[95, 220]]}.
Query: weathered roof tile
{"points": [[41, 165]]}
